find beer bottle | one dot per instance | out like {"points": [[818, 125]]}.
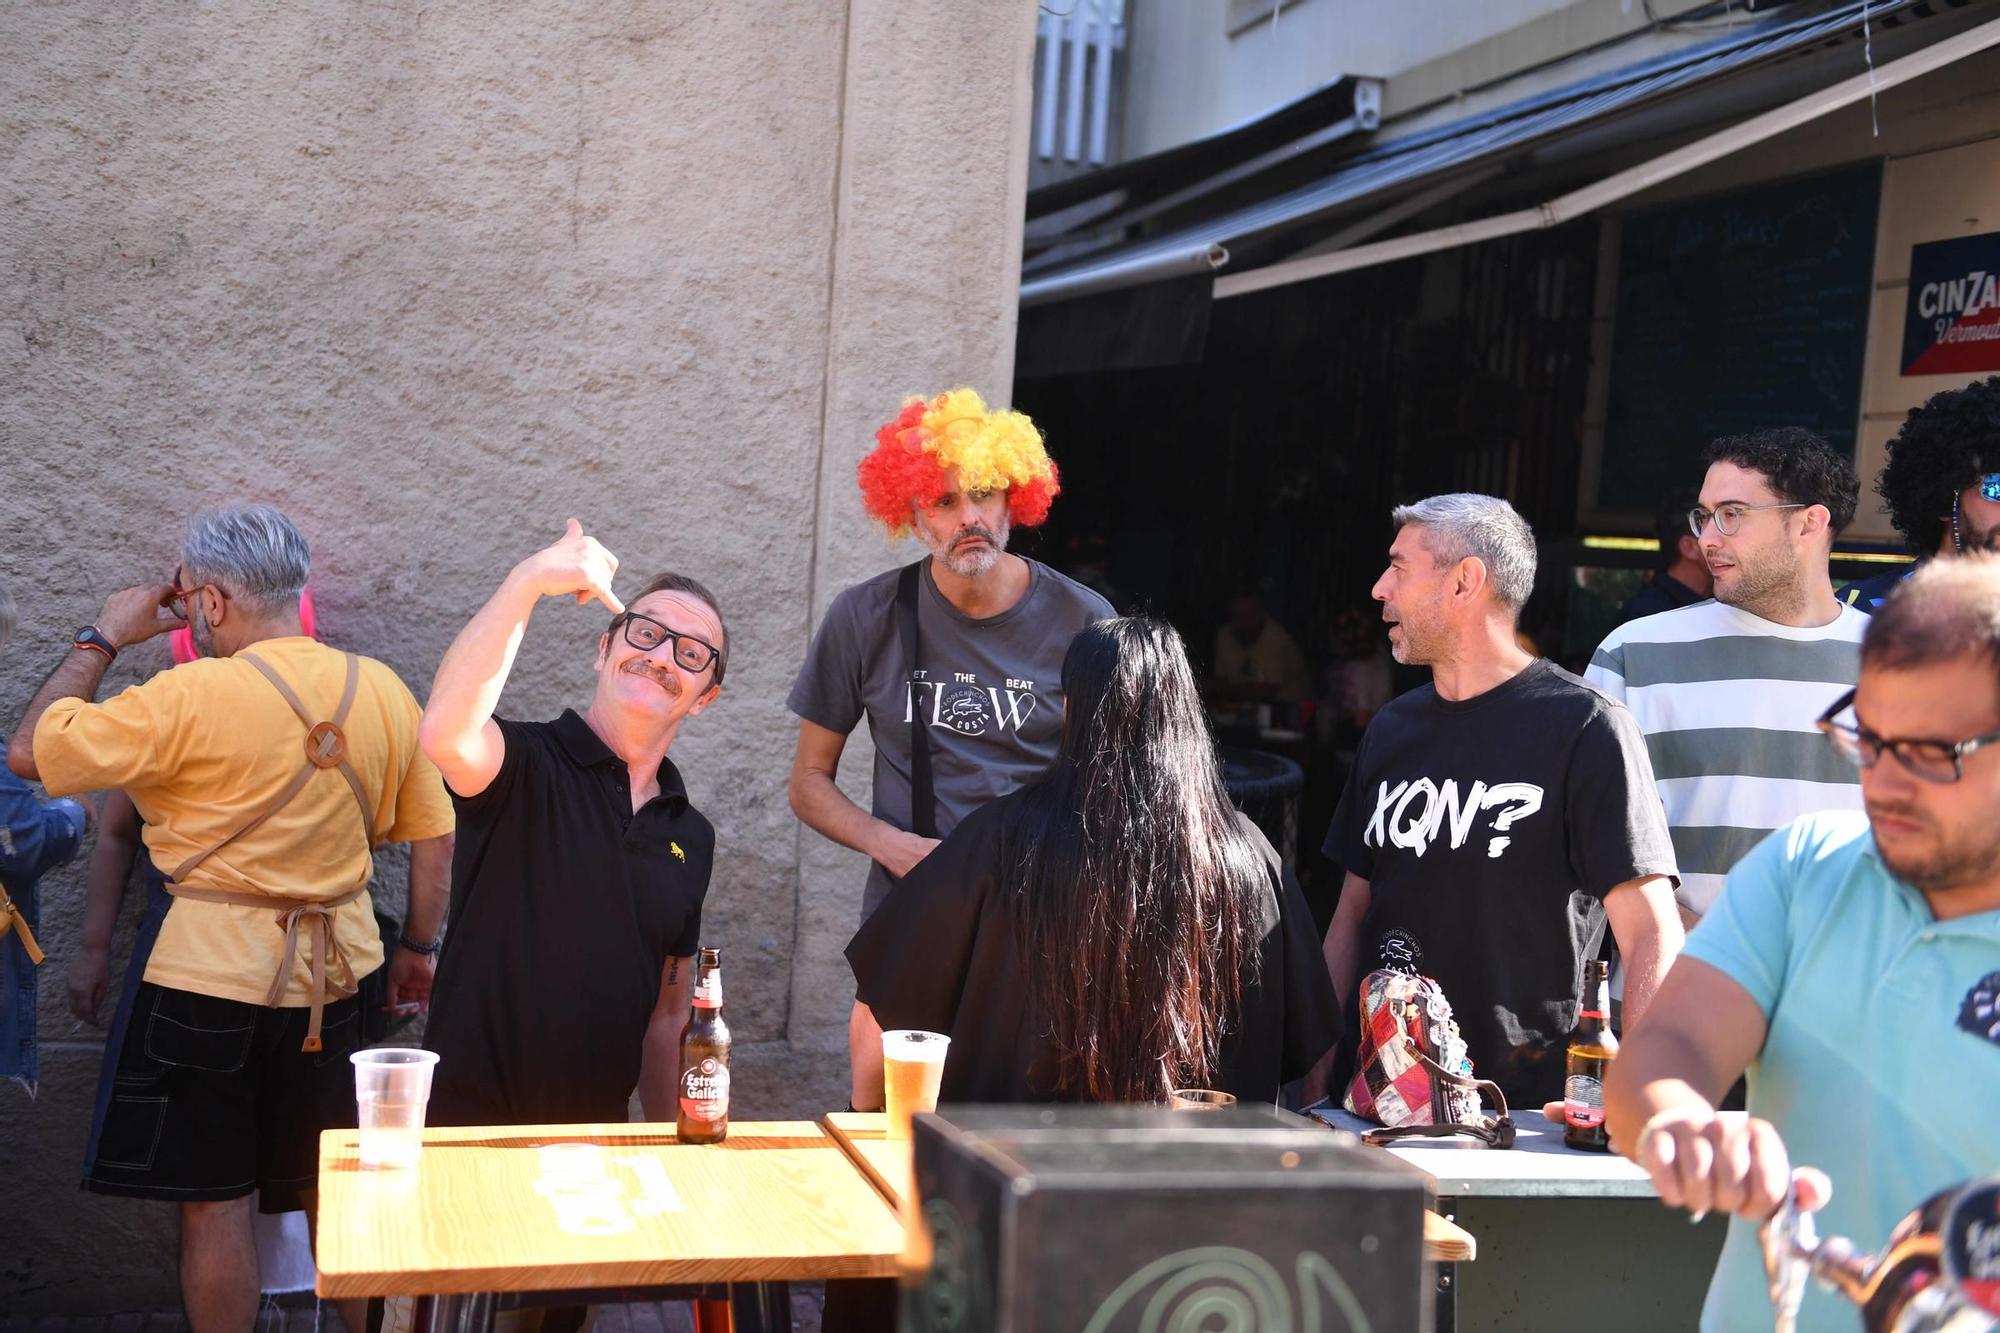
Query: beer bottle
{"points": [[1591, 1050], [704, 1080]]}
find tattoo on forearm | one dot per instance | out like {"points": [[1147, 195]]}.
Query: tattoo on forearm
{"points": [[673, 971]]}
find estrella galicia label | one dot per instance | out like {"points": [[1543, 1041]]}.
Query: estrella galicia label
{"points": [[705, 1090], [1972, 1243]]}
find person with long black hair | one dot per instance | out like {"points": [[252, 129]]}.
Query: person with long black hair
{"points": [[1115, 929]]}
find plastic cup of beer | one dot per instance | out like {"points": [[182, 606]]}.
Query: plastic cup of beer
{"points": [[392, 1086], [1200, 1099], [912, 1067]]}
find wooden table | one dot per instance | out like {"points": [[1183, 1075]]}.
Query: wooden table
{"points": [[591, 1208], [863, 1135]]}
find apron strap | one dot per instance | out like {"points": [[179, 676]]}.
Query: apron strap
{"points": [[277, 803], [326, 747], [326, 743], [317, 916]]}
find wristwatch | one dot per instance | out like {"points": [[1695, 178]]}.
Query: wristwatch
{"points": [[92, 638]]}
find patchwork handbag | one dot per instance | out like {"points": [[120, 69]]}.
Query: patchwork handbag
{"points": [[1413, 1075]]}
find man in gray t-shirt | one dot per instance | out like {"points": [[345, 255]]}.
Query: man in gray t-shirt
{"points": [[992, 630]]}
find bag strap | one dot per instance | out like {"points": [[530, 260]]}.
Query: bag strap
{"points": [[1495, 1130], [13, 918], [1495, 1133], [923, 801]]}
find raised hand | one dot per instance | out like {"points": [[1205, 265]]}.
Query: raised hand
{"points": [[133, 615], [577, 565]]}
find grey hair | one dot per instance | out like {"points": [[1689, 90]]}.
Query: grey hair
{"points": [[10, 615], [253, 552], [1482, 526]]}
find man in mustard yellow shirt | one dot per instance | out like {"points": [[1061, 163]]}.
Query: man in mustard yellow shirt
{"points": [[266, 773]]}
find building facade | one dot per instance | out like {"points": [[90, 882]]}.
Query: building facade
{"points": [[434, 278], [1547, 250]]}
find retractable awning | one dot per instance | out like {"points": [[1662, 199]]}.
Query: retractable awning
{"points": [[1791, 55]]}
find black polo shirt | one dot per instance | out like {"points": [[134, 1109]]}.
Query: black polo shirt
{"points": [[565, 906]]}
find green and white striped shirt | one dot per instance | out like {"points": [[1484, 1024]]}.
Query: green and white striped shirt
{"points": [[1727, 701]]}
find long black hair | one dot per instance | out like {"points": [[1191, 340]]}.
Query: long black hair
{"points": [[1138, 891]]}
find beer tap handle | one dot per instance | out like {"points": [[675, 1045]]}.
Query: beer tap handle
{"points": [[1789, 1241]]}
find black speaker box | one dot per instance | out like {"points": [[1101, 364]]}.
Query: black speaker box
{"points": [[1140, 1219]]}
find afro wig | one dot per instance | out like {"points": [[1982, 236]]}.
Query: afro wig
{"points": [[1943, 447], [991, 450]]}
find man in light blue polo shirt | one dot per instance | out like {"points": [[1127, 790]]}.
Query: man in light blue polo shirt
{"points": [[1849, 970]]}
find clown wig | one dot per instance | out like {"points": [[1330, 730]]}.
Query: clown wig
{"points": [[991, 450]]}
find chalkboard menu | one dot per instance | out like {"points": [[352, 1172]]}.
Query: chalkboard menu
{"points": [[1735, 314]]}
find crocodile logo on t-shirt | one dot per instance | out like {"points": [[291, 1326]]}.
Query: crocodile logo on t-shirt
{"points": [[1411, 814], [964, 710]]}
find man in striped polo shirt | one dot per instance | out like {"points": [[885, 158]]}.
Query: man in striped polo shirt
{"points": [[1727, 691]]}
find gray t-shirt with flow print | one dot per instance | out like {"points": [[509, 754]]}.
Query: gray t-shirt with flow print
{"points": [[989, 690]]}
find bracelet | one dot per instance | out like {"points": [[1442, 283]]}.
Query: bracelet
{"points": [[403, 941]]}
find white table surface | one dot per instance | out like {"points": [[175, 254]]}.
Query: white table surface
{"points": [[1537, 1166]]}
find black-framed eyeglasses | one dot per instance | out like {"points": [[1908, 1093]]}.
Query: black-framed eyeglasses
{"points": [[1933, 761], [646, 634], [1728, 517]]}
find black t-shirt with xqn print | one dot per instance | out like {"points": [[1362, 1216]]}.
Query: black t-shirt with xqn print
{"points": [[1490, 830]]}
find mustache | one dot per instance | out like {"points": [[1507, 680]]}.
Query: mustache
{"points": [[984, 534], [666, 680], [1885, 810]]}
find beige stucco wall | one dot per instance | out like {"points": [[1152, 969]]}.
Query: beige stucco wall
{"points": [[435, 277]]}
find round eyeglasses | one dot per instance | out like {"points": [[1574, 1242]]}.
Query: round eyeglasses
{"points": [[1728, 517], [646, 634], [1933, 761]]}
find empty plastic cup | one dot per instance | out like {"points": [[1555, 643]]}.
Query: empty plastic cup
{"points": [[1200, 1099], [392, 1086]]}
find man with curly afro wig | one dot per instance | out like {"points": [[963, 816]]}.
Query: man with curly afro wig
{"points": [[1941, 483], [973, 707]]}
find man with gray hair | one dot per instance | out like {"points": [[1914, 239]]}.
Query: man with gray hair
{"points": [[1500, 816], [266, 772], [36, 836]]}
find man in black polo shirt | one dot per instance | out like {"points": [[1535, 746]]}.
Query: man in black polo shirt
{"points": [[577, 885]]}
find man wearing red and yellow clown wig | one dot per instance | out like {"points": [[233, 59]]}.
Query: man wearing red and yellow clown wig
{"points": [[955, 661]]}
